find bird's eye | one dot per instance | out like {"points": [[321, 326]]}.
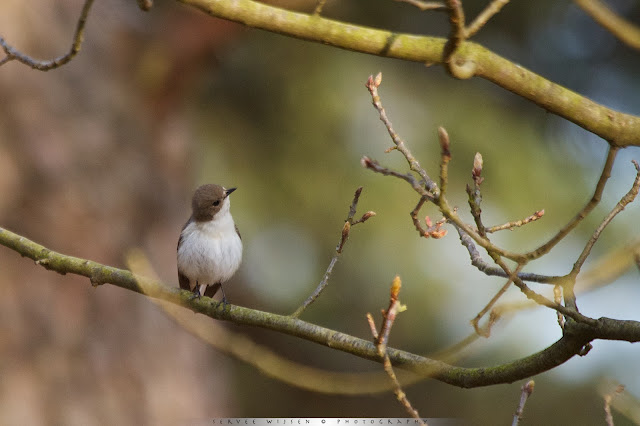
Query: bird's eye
{"points": [[216, 203]]}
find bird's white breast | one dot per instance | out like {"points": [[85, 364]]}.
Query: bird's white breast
{"points": [[211, 251]]}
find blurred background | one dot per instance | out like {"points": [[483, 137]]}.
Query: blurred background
{"points": [[102, 155]]}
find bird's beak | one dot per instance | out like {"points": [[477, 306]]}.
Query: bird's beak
{"points": [[229, 191]]}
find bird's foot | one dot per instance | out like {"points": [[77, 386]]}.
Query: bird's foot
{"points": [[196, 293], [224, 299]]}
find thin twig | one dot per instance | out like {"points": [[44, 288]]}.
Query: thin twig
{"points": [[319, 5], [426, 5], [607, 403], [484, 267], [430, 189], [433, 231], [376, 167], [457, 33], [628, 198], [516, 223], [484, 16], [381, 338], [373, 84], [593, 202], [14, 54], [527, 390], [389, 316], [475, 195], [486, 332], [570, 312], [344, 236], [445, 157], [414, 217]]}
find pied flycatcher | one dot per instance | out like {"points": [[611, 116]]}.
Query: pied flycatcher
{"points": [[209, 248]]}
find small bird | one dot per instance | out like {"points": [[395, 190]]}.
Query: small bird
{"points": [[210, 247]]}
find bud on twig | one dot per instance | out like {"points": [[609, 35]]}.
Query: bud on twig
{"points": [[477, 169], [445, 145], [367, 215], [396, 284], [378, 79]]}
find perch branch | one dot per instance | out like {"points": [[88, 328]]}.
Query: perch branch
{"points": [[263, 358], [570, 344]]}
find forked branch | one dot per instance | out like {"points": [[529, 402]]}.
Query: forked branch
{"points": [[14, 54]]}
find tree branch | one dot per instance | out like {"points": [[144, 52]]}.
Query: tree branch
{"points": [[626, 199], [617, 128], [575, 337], [14, 54], [346, 229], [593, 202]]}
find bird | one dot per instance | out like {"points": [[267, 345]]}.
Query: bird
{"points": [[210, 247]]}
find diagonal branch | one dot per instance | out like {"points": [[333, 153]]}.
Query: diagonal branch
{"points": [[624, 30], [617, 128], [426, 5], [372, 85], [593, 202], [626, 199], [343, 239], [484, 16]]}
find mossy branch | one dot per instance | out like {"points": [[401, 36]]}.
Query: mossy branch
{"points": [[470, 59], [575, 337]]}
